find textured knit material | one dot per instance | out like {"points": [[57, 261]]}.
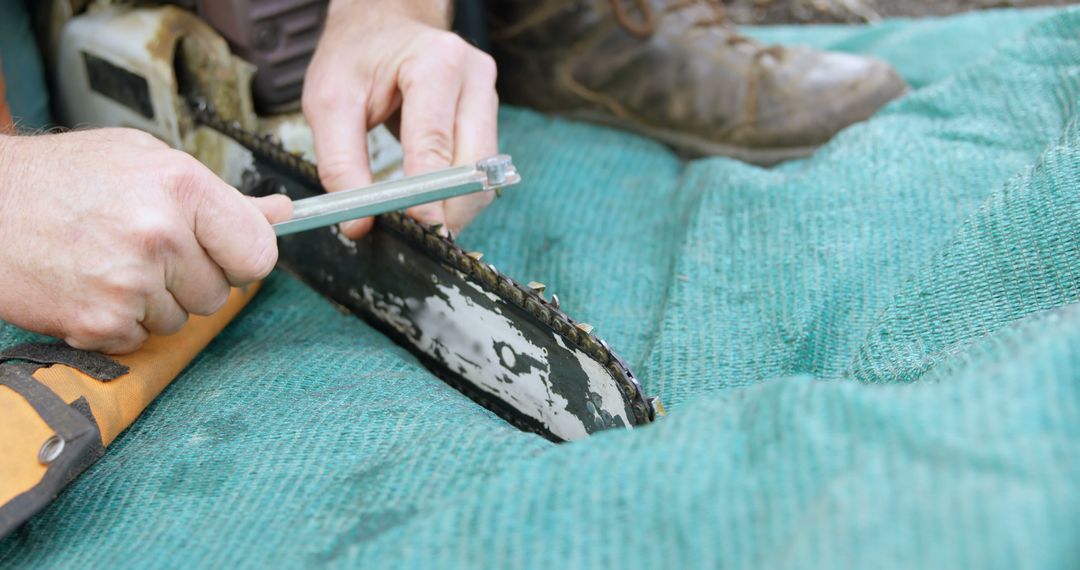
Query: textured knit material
{"points": [[871, 359]]}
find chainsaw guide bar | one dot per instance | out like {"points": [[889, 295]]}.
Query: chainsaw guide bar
{"points": [[502, 344]]}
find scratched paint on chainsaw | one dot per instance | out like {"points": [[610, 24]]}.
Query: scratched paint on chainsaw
{"points": [[467, 330], [504, 355], [501, 352]]}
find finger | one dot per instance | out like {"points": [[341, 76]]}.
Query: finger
{"points": [[195, 281], [476, 132], [461, 211], [127, 344], [431, 88], [476, 135], [121, 341], [229, 227], [340, 132], [163, 314], [276, 207], [355, 229], [430, 214], [339, 128]]}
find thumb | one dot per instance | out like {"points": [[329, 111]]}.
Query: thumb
{"points": [[231, 227], [276, 207]]}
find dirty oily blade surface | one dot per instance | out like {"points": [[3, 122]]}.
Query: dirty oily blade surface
{"points": [[502, 344]]}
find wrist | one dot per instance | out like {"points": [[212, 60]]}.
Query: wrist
{"points": [[435, 13]]}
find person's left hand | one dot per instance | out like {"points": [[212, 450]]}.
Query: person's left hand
{"points": [[383, 63]]}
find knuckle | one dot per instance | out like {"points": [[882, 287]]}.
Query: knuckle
{"points": [[435, 148], [80, 343], [448, 46], [335, 169], [181, 176], [486, 68], [444, 55], [314, 98], [127, 344], [213, 299], [217, 299], [154, 230], [99, 327], [321, 95], [127, 285], [174, 324]]}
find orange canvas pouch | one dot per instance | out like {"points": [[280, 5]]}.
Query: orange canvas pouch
{"points": [[61, 407]]}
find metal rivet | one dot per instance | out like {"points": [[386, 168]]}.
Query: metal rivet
{"points": [[585, 328], [51, 449], [475, 255], [496, 168], [537, 287]]}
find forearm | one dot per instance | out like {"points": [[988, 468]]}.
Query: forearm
{"points": [[436, 13]]}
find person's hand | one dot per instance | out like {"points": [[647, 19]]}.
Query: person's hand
{"points": [[109, 235], [377, 63]]}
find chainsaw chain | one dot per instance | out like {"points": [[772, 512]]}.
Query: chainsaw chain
{"points": [[450, 254]]}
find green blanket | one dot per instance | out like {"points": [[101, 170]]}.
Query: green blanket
{"points": [[871, 358]]}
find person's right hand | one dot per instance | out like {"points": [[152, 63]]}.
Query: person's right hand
{"points": [[109, 235]]}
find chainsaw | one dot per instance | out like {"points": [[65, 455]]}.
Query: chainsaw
{"points": [[507, 346]]}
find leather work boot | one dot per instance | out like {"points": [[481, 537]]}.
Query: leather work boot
{"points": [[675, 71]]}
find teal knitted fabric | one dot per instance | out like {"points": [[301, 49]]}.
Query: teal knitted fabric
{"points": [[871, 359]]}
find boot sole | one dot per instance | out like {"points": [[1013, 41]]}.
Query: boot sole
{"points": [[690, 146]]}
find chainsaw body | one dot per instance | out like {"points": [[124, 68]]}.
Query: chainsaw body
{"points": [[164, 70]]}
